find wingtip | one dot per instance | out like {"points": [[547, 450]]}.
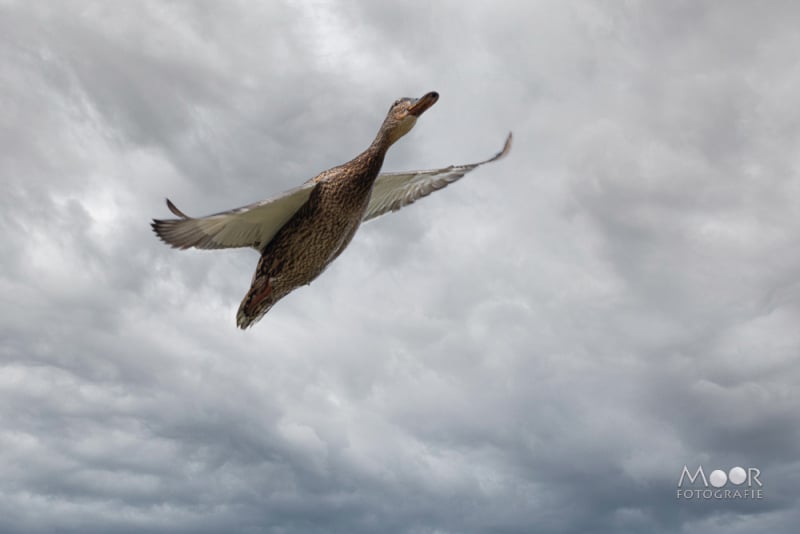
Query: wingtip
{"points": [[174, 209], [506, 148], [507, 145], [161, 228], [157, 225]]}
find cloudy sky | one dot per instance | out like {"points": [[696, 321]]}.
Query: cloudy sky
{"points": [[541, 347]]}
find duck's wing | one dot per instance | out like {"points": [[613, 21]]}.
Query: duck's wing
{"points": [[249, 226], [394, 190]]}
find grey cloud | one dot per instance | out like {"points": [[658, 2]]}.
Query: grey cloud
{"points": [[540, 347]]}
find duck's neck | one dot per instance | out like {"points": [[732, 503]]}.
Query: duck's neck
{"points": [[372, 157], [383, 140]]}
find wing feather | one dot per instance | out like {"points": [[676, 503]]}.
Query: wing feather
{"points": [[394, 190], [249, 226]]}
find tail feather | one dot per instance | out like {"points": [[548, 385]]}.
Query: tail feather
{"points": [[257, 302], [247, 316]]}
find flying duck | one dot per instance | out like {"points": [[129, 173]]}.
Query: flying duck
{"points": [[300, 232]]}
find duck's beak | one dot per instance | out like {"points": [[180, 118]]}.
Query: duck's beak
{"points": [[423, 103]]}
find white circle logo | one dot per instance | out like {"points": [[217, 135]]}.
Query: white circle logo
{"points": [[717, 478], [737, 475]]}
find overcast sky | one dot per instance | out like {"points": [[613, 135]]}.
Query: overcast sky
{"points": [[540, 347]]}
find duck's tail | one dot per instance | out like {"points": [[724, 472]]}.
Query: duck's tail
{"points": [[258, 300]]}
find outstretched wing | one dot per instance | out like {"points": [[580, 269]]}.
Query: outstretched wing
{"points": [[394, 190], [249, 226]]}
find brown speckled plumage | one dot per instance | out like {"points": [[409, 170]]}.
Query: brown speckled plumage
{"points": [[319, 231], [302, 231]]}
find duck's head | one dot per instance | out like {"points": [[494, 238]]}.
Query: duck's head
{"points": [[403, 115]]}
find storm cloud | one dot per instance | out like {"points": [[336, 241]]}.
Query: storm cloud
{"points": [[541, 347]]}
